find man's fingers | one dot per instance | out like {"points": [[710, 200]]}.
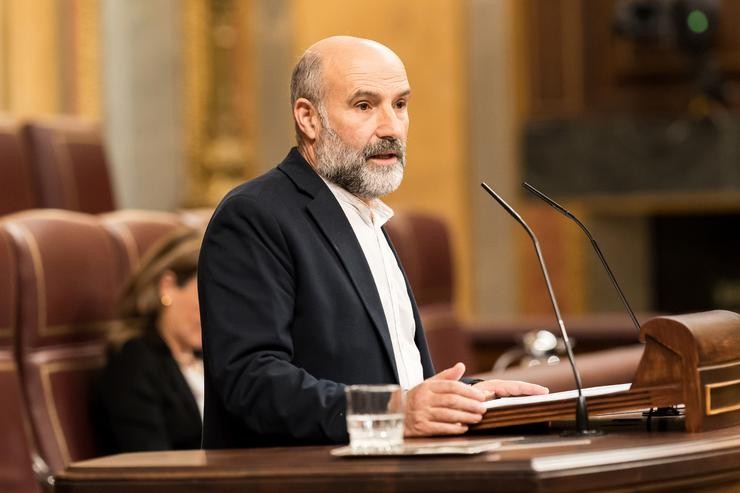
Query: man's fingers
{"points": [[453, 373], [504, 388], [458, 388], [428, 429], [447, 415], [461, 403], [524, 388]]}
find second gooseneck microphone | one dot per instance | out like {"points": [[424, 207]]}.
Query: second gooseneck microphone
{"points": [[582, 422], [595, 246]]}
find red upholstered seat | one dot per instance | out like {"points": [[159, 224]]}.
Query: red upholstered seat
{"points": [[423, 245], [70, 273], [70, 164], [16, 179], [138, 230], [16, 474]]}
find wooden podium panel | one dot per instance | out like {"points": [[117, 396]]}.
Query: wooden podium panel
{"points": [[691, 360], [619, 461]]}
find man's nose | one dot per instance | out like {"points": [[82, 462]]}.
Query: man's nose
{"points": [[390, 123]]}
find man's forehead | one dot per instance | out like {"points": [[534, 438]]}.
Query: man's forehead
{"points": [[344, 58], [370, 73]]}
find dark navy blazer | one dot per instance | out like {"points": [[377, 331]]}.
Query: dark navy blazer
{"points": [[290, 314]]}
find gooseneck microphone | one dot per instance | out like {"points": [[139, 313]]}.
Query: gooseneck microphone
{"points": [[595, 246], [582, 423]]}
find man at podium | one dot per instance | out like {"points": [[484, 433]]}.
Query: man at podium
{"points": [[300, 290]]}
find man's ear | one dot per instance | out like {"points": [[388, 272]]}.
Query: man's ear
{"points": [[307, 118]]}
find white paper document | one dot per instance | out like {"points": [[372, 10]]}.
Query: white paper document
{"points": [[556, 396]]}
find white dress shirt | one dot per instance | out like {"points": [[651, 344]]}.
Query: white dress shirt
{"points": [[195, 379], [366, 221]]}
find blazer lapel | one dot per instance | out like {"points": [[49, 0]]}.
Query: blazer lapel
{"points": [[333, 223]]}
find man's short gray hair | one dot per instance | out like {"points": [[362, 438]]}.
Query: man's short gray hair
{"points": [[307, 82]]}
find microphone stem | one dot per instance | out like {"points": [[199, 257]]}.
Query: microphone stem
{"points": [[559, 317], [595, 245], [550, 291], [582, 424], [626, 304]]}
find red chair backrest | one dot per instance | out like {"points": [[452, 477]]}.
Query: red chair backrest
{"points": [[423, 246], [17, 190], [137, 231], [70, 274], [70, 164], [16, 474]]}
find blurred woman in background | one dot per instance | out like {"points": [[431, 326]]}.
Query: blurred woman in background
{"points": [[150, 395]]}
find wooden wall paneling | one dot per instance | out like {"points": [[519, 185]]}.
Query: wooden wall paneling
{"points": [[555, 56], [563, 249]]}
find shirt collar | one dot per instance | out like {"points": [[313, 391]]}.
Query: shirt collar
{"points": [[377, 213]]}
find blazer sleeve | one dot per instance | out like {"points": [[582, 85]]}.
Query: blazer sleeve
{"points": [[247, 292]]}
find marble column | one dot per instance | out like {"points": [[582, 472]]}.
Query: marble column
{"points": [[494, 156], [143, 101]]}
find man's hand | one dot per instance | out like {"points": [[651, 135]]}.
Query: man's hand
{"points": [[505, 388], [442, 405]]}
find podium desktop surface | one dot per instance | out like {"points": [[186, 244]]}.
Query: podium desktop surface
{"points": [[621, 460]]}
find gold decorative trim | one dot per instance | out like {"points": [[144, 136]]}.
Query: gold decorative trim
{"points": [[708, 388], [720, 366], [46, 369], [63, 329], [197, 28], [38, 269], [67, 215]]}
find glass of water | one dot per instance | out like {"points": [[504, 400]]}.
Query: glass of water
{"points": [[375, 418]]}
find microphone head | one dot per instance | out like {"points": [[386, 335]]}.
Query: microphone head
{"points": [[547, 199], [501, 202]]}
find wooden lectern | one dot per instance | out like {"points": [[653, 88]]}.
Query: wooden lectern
{"points": [[689, 359]]}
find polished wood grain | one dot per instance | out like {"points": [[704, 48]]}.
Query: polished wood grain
{"points": [[691, 360], [701, 353], [622, 460]]}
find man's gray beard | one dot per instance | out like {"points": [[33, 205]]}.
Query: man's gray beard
{"points": [[349, 168]]}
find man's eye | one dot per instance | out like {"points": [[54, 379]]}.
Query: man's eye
{"points": [[401, 104], [363, 106]]}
